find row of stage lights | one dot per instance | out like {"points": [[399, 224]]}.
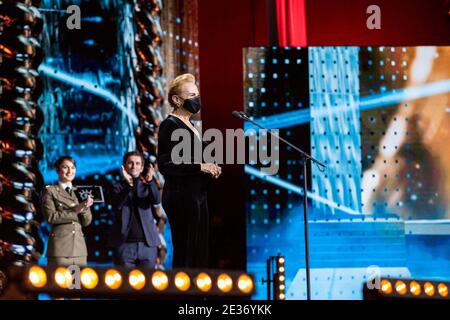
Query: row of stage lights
{"points": [[109, 282], [402, 288], [389, 288], [105, 282], [276, 287], [279, 278]]}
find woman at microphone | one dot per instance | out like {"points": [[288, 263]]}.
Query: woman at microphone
{"points": [[186, 182]]}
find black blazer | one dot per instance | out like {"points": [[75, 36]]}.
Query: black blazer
{"points": [[147, 195]]}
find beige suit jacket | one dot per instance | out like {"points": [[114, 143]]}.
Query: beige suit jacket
{"points": [[67, 238]]}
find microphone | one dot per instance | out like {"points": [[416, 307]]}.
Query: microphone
{"points": [[240, 115], [236, 114]]}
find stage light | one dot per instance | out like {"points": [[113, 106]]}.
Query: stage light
{"points": [[182, 281], [404, 288], [118, 282], [136, 279], [429, 289], [113, 279], [89, 278], [386, 286], [63, 278], [224, 283], [414, 288], [203, 282], [278, 279], [160, 281], [400, 287], [245, 283], [37, 277], [443, 290]]}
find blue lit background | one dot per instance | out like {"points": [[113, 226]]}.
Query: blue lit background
{"points": [[376, 204], [88, 102]]}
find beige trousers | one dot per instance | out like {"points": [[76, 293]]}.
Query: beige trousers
{"points": [[67, 261]]}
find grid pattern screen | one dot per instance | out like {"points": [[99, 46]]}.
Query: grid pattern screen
{"points": [[379, 118]]}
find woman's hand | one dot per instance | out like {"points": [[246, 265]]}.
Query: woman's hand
{"points": [[212, 169], [84, 205]]}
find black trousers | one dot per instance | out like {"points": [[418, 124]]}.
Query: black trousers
{"points": [[188, 215]]}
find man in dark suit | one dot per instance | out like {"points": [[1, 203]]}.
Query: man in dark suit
{"points": [[134, 235]]}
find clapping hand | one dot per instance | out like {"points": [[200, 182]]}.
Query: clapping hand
{"points": [[149, 174], [128, 178]]}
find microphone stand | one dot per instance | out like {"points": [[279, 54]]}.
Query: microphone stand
{"points": [[305, 157]]}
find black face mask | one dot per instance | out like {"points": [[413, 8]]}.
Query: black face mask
{"points": [[192, 105]]}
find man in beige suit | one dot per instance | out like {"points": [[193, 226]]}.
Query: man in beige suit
{"points": [[61, 209]]}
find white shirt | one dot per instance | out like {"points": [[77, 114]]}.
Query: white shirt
{"points": [[65, 185]]}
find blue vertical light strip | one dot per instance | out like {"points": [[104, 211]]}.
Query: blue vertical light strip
{"points": [[335, 126]]}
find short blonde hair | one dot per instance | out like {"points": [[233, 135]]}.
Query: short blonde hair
{"points": [[176, 84]]}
